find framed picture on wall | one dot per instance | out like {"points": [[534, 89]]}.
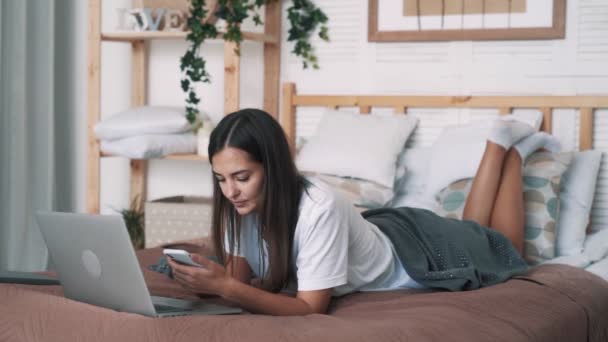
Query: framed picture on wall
{"points": [[444, 20]]}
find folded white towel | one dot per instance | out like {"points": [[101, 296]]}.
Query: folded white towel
{"points": [[143, 120], [151, 146]]}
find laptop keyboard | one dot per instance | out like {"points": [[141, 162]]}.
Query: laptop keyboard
{"points": [[165, 308]]}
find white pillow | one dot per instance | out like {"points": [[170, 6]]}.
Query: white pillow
{"points": [[599, 268], [409, 191], [355, 145], [576, 197], [596, 245], [415, 161], [143, 120], [151, 146], [579, 260], [458, 151], [456, 155]]}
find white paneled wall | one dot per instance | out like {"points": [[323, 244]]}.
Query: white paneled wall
{"points": [[592, 44], [600, 207], [573, 66], [351, 65]]}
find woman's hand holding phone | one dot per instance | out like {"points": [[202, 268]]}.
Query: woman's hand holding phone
{"points": [[206, 277], [181, 256]]}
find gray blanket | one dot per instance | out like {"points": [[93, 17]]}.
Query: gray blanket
{"points": [[447, 254]]}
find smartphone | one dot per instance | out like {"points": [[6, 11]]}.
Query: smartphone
{"points": [[181, 256]]}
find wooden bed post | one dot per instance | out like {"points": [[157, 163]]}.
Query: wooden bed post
{"points": [[288, 115], [365, 109], [400, 109], [586, 130], [547, 125], [505, 110]]}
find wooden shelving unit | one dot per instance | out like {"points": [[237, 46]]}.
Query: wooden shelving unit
{"points": [[270, 38], [129, 36]]}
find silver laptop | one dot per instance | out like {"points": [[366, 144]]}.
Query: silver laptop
{"points": [[96, 264]]}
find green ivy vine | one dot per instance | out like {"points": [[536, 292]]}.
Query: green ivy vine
{"points": [[303, 16]]}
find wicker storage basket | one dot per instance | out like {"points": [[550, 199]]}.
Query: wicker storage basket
{"points": [[176, 219]]}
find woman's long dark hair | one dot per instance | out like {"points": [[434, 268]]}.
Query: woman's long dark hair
{"points": [[259, 134]]}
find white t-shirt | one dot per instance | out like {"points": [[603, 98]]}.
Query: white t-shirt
{"points": [[334, 247]]}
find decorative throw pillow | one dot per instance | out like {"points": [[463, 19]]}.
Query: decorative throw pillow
{"points": [[541, 184], [361, 193], [358, 146]]}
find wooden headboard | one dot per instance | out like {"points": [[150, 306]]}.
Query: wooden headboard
{"points": [[505, 104]]}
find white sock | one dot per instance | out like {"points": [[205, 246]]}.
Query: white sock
{"points": [[533, 119], [508, 130], [536, 141]]}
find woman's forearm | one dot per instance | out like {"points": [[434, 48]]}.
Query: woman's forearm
{"points": [[259, 301]]}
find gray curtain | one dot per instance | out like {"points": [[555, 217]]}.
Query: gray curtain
{"points": [[36, 127]]}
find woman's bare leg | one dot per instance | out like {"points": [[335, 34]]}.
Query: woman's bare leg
{"points": [[508, 215], [480, 202]]}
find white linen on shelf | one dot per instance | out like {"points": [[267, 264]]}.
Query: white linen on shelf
{"points": [[143, 120], [151, 146]]}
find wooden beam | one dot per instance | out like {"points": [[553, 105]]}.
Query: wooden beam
{"points": [[326, 101], [139, 78], [453, 101], [505, 110], [232, 70], [139, 66], [93, 105], [547, 125], [586, 129], [129, 36], [400, 110], [485, 101], [183, 156], [139, 170], [365, 109], [288, 115], [272, 58]]}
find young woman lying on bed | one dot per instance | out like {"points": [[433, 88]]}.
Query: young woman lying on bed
{"points": [[290, 232]]}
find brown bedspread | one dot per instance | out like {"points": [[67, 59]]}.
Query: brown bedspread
{"points": [[550, 303]]}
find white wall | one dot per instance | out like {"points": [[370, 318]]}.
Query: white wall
{"points": [[572, 66], [349, 64], [166, 178]]}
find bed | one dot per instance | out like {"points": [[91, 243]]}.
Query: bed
{"points": [[551, 302]]}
